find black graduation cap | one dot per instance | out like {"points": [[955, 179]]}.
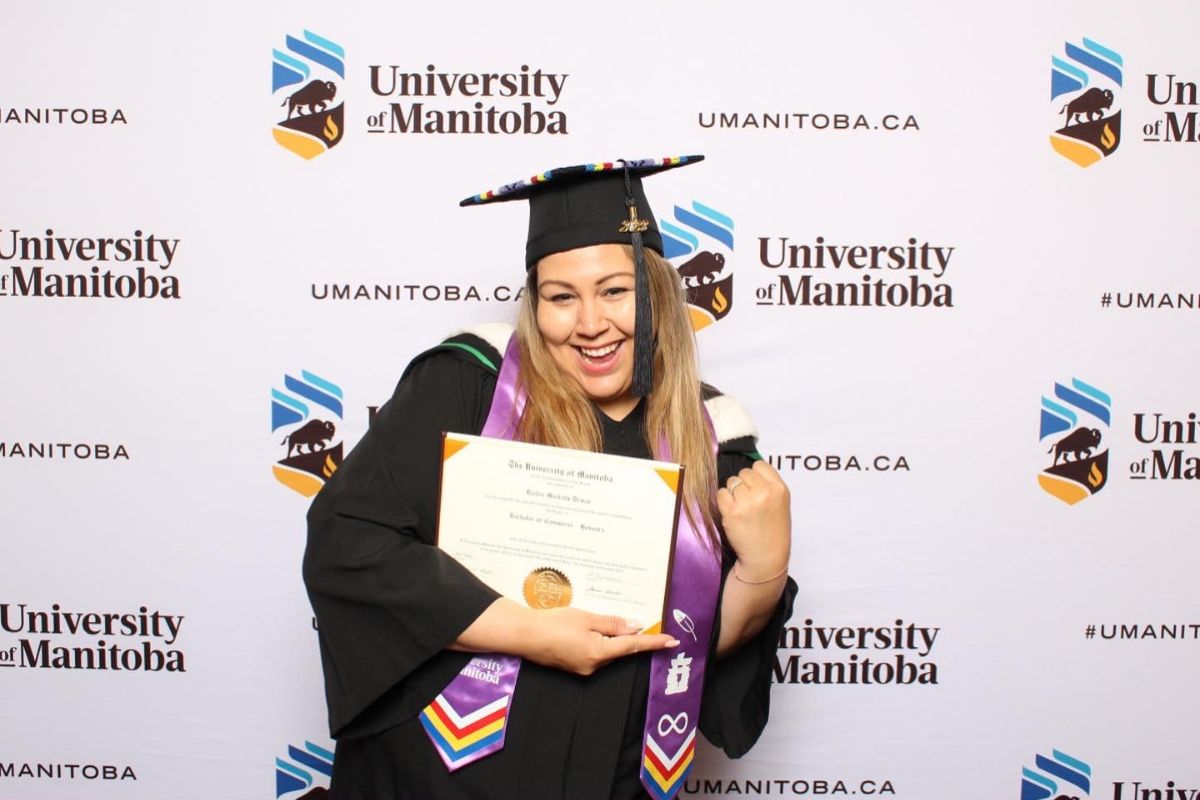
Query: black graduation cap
{"points": [[599, 203]]}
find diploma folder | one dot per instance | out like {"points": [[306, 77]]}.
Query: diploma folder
{"points": [[551, 527]]}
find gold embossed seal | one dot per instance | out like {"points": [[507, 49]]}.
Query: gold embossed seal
{"points": [[547, 588]]}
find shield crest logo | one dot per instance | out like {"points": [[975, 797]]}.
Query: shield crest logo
{"points": [[306, 83], [304, 774], [1058, 775], [314, 445], [1074, 426], [1085, 88], [699, 242]]}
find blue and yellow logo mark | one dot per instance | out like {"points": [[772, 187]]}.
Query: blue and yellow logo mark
{"points": [[1044, 782], [1084, 92], [312, 113], [702, 239], [1079, 460], [314, 448], [296, 773]]}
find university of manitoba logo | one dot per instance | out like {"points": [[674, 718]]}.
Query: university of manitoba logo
{"points": [[1084, 93], [1059, 778], [313, 446], [294, 775], [1074, 426], [700, 243], [305, 88]]}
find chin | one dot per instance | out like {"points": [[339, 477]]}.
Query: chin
{"points": [[605, 394]]}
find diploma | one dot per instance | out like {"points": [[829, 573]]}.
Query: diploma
{"points": [[551, 527]]}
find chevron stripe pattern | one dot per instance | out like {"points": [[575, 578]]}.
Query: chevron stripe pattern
{"points": [[667, 773], [466, 738]]}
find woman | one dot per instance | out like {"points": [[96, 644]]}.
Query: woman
{"points": [[603, 357]]}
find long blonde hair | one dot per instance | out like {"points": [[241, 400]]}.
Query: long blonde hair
{"points": [[558, 413]]}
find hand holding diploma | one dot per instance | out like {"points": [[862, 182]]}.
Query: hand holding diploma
{"points": [[580, 545], [569, 639]]}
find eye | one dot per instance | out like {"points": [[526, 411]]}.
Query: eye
{"points": [[616, 291], [558, 297]]}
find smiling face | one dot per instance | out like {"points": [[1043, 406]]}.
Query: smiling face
{"points": [[585, 313]]}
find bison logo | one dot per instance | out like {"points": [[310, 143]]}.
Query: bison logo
{"points": [[701, 269], [314, 450], [1087, 121], [1078, 467], [705, 271], [314, 119], [314, 433], [1091, 104], [1081, 442], [316, 96]]}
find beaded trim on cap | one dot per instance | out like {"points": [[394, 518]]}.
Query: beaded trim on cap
{"points": [[637, 166]]}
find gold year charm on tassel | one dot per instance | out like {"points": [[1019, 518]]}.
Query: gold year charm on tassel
{"points": [[633, 224]]}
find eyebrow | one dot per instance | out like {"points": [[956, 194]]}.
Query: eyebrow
{"points": [[605, 279]]}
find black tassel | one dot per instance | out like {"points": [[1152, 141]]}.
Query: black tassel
{"points": [[643, 350], [643, 321]]}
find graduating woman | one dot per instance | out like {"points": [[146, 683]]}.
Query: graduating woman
{"points": [[440, 688]]}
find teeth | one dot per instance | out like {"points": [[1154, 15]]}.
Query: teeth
{"points": [[599, 352]]}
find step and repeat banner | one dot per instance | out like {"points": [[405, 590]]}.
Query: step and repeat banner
{"points": [[945, 256]]}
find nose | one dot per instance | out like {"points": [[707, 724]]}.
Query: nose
{"points": [[593, 318]]}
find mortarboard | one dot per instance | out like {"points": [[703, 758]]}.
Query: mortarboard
{"points": [[599, 203]]}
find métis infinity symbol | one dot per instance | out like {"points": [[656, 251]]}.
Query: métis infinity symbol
{"points": [[668, 724]]}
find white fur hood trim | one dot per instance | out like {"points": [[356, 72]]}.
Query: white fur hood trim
{"points": [[729, 418], [496, 334]]}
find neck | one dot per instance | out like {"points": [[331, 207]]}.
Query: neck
{"points": [[618, 409]]}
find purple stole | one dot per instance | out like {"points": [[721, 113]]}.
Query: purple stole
{"points": [[467, 721]]}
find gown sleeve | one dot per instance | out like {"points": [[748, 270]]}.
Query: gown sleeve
{"points": [[737, 688], [387, 600]]}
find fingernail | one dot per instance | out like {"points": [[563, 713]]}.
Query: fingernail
{"points": [[633, 624], [673, 643]]}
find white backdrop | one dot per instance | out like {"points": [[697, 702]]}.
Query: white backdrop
{"points": [[944, 527]]}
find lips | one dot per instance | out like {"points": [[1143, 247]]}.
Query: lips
{"points": [[599, 352], [598, 360]]}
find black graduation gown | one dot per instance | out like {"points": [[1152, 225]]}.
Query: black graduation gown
{"points": [[388, 602]]}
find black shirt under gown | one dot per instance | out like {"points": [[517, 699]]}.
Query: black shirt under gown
{"points": [[388, 602]]}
